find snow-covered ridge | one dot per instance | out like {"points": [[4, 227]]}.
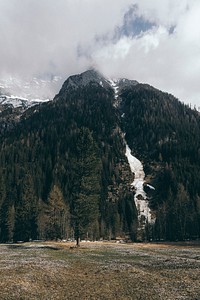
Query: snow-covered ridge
{"points": [[25, 93], [17, 101], [34, 88]]}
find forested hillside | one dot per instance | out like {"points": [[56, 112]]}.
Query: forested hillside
{"points": [[64, 173], [165, 134]]}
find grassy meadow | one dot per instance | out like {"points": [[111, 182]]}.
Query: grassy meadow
{"points": [[99, 270]]}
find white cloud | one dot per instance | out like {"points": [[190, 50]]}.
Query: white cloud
{"points": [[167, 60], [43, 35], [67, 36]]}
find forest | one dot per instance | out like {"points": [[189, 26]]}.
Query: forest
{"points": [[164, 133], [61, 171], [64, 174]]}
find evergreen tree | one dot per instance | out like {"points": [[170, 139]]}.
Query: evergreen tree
{"points": [[57, 215], [86, 204], [26, 211]]}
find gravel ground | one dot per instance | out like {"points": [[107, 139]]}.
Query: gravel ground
{"points": [[99, 271]]}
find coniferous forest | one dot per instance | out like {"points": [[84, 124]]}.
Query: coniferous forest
{"points": [[64, 173], [166, 136]]}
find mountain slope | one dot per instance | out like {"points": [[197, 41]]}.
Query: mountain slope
{"points": [[164, 133], [53, 147], [65, 171]]}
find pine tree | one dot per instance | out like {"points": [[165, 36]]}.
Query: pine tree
{"points": [[26, 211], [56, 215], [7, 222], [86, 205]]}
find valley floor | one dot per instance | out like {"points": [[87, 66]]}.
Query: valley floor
{"points": [[100, 270]]}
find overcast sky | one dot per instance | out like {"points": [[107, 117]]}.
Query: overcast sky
{"points": [[152, 41]]}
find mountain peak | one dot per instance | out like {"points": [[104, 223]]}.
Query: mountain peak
{"points": [[95, 77], [83, 79]]}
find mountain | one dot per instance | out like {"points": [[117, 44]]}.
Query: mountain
{"points": [[30, 89], [15, 102], [20, 94], [95, 78], [106, 158], [30, 93]]}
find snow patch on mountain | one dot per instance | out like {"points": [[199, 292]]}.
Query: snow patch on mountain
{"points": [[115, 85], [151, 187], [118, 85], [140, 198]]}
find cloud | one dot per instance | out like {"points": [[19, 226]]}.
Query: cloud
{"points": [[157, 42], [43, 35], [166, 55]]}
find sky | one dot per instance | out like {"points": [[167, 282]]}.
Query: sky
{"points": [[151, 41]]}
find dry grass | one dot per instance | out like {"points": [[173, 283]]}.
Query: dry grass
{"points": [[99, 271]]}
